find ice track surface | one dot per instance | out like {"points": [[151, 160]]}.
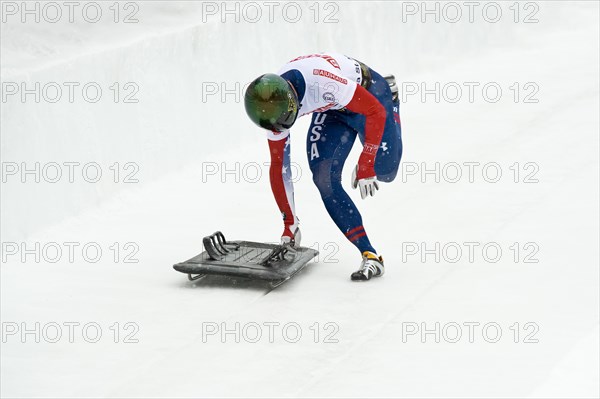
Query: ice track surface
{"points": [[364, 347]]}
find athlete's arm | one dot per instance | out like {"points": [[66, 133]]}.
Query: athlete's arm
{"points": [[282, 186], [366, 104]]}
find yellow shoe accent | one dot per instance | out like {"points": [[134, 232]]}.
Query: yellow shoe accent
{"points": [[371, 255]]}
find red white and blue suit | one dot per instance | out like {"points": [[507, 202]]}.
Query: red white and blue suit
{"points": [[330, 87]]}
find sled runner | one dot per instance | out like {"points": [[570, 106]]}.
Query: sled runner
{"points": [[253, 260]]}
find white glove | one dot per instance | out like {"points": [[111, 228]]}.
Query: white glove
{"points": [[367, 186]]}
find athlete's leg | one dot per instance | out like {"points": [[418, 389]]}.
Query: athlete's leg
{"points": [[328, 144]]}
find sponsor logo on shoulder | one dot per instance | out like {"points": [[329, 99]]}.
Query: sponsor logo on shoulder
{"points": [[327, 74], [326, 57], [329, 97]]}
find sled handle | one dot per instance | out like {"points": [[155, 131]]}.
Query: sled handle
{"points": [[215, 245], [221, 240]]}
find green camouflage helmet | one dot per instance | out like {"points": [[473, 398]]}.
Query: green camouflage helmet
{"points": [[271, 102]]}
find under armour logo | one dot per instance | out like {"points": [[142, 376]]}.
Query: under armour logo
{"points": [[384, 146]]}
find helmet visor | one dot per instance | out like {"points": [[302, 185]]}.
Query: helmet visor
{"points": [[288, 117]]}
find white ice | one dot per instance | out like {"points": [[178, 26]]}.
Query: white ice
{"points": [[177, 133]]}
